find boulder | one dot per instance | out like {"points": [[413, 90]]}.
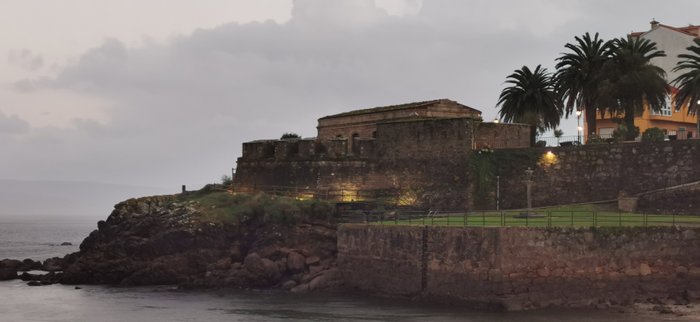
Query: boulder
{"points": [[253, 263], [288, 285], [53, 264], [10, 263], [313, 260], [30, 265], [296, 263], [7, 273]]}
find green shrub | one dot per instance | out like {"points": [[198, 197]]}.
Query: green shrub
{"points": [[596, 139], [290, 136], [653, 134], [622, 132]]}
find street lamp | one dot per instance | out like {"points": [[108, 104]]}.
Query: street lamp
{"points": [[528, 184], [578, 127]]}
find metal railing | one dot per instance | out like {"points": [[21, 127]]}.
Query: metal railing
{"points": [[569, 140], [555, 218]]}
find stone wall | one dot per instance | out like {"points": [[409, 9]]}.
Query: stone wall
{"points": [[425, 159], [502, 136], [594, 172], [683, 200], [426, 139], [522, 268], [434, 160], [363, 123]]}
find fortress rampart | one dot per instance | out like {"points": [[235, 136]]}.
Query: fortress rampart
{"points": [[461, 163]]}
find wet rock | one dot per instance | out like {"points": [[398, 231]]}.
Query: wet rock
{"points": [[10, 263], [254, 264], [663, 309], [7, 273], [34, 283], [30, 265], [66, 244], [288, 285], [313, 260], [53, 264], [301, 289], [162, 240], [296, 263]]}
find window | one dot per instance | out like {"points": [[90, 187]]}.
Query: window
{"points": [[666, 111], [605, 132]]}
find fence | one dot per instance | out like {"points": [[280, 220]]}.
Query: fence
{"points": [[558, 218], [570, 140]]}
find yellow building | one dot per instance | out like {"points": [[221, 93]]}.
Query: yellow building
{"points": [[675, 123]]}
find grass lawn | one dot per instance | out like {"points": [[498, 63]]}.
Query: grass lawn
{"points": [[570, 215]]}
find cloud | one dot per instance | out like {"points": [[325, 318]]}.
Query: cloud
{"points": [[179, 110], [12, 124], [25, 59]]}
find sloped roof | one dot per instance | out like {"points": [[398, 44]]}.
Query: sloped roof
{"points": [[396, 107], [690, 30]]}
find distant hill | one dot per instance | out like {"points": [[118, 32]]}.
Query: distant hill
{"points": [[66, 198]]}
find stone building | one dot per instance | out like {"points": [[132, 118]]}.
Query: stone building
{"points": [[361, 124], [416, 150], [456, 163]]}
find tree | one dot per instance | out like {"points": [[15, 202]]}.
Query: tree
{"points": [[579, 73], [531, 99], [630, 80], [290, 136], [688, 82]]}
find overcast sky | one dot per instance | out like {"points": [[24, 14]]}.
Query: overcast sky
{"points": [[163, 92]]}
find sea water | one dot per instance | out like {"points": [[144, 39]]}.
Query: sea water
{"points": [[38, 239]]}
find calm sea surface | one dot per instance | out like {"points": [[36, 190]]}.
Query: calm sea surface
{"points": [[29, 238]]}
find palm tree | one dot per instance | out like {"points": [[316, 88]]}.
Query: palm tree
{"points": [[689, 82], [531, 98], [579, 73], [630, 80]]}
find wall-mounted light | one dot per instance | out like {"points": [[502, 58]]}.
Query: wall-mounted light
{"points": [[496, 121], [548, 159], [578, 113], [580, 128]]}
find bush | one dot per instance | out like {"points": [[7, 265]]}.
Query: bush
{"points": [[653, 134], [596, 139], [290, 136], [226, 180], [622, 132]]}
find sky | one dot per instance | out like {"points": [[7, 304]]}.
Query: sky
{"points": [[161, 93]]}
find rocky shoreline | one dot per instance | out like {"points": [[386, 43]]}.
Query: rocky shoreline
{"points": [[173, 240]]}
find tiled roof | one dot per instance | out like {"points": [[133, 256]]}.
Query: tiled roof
{"points": [[690, 30], [395, 107]]}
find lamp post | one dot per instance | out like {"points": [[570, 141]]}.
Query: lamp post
{"points": [[579, 129], [528, 184]]}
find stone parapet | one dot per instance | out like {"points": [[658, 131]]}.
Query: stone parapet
{"points": [[522, 268]]}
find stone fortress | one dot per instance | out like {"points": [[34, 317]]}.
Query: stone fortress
{"points": [[439, 154]]}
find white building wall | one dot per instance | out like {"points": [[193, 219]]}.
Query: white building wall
{"points": [[673, 43]]}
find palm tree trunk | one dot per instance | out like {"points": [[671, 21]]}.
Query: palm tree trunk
{"points": [[629, 122], [591, 126], [533, 135]]}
